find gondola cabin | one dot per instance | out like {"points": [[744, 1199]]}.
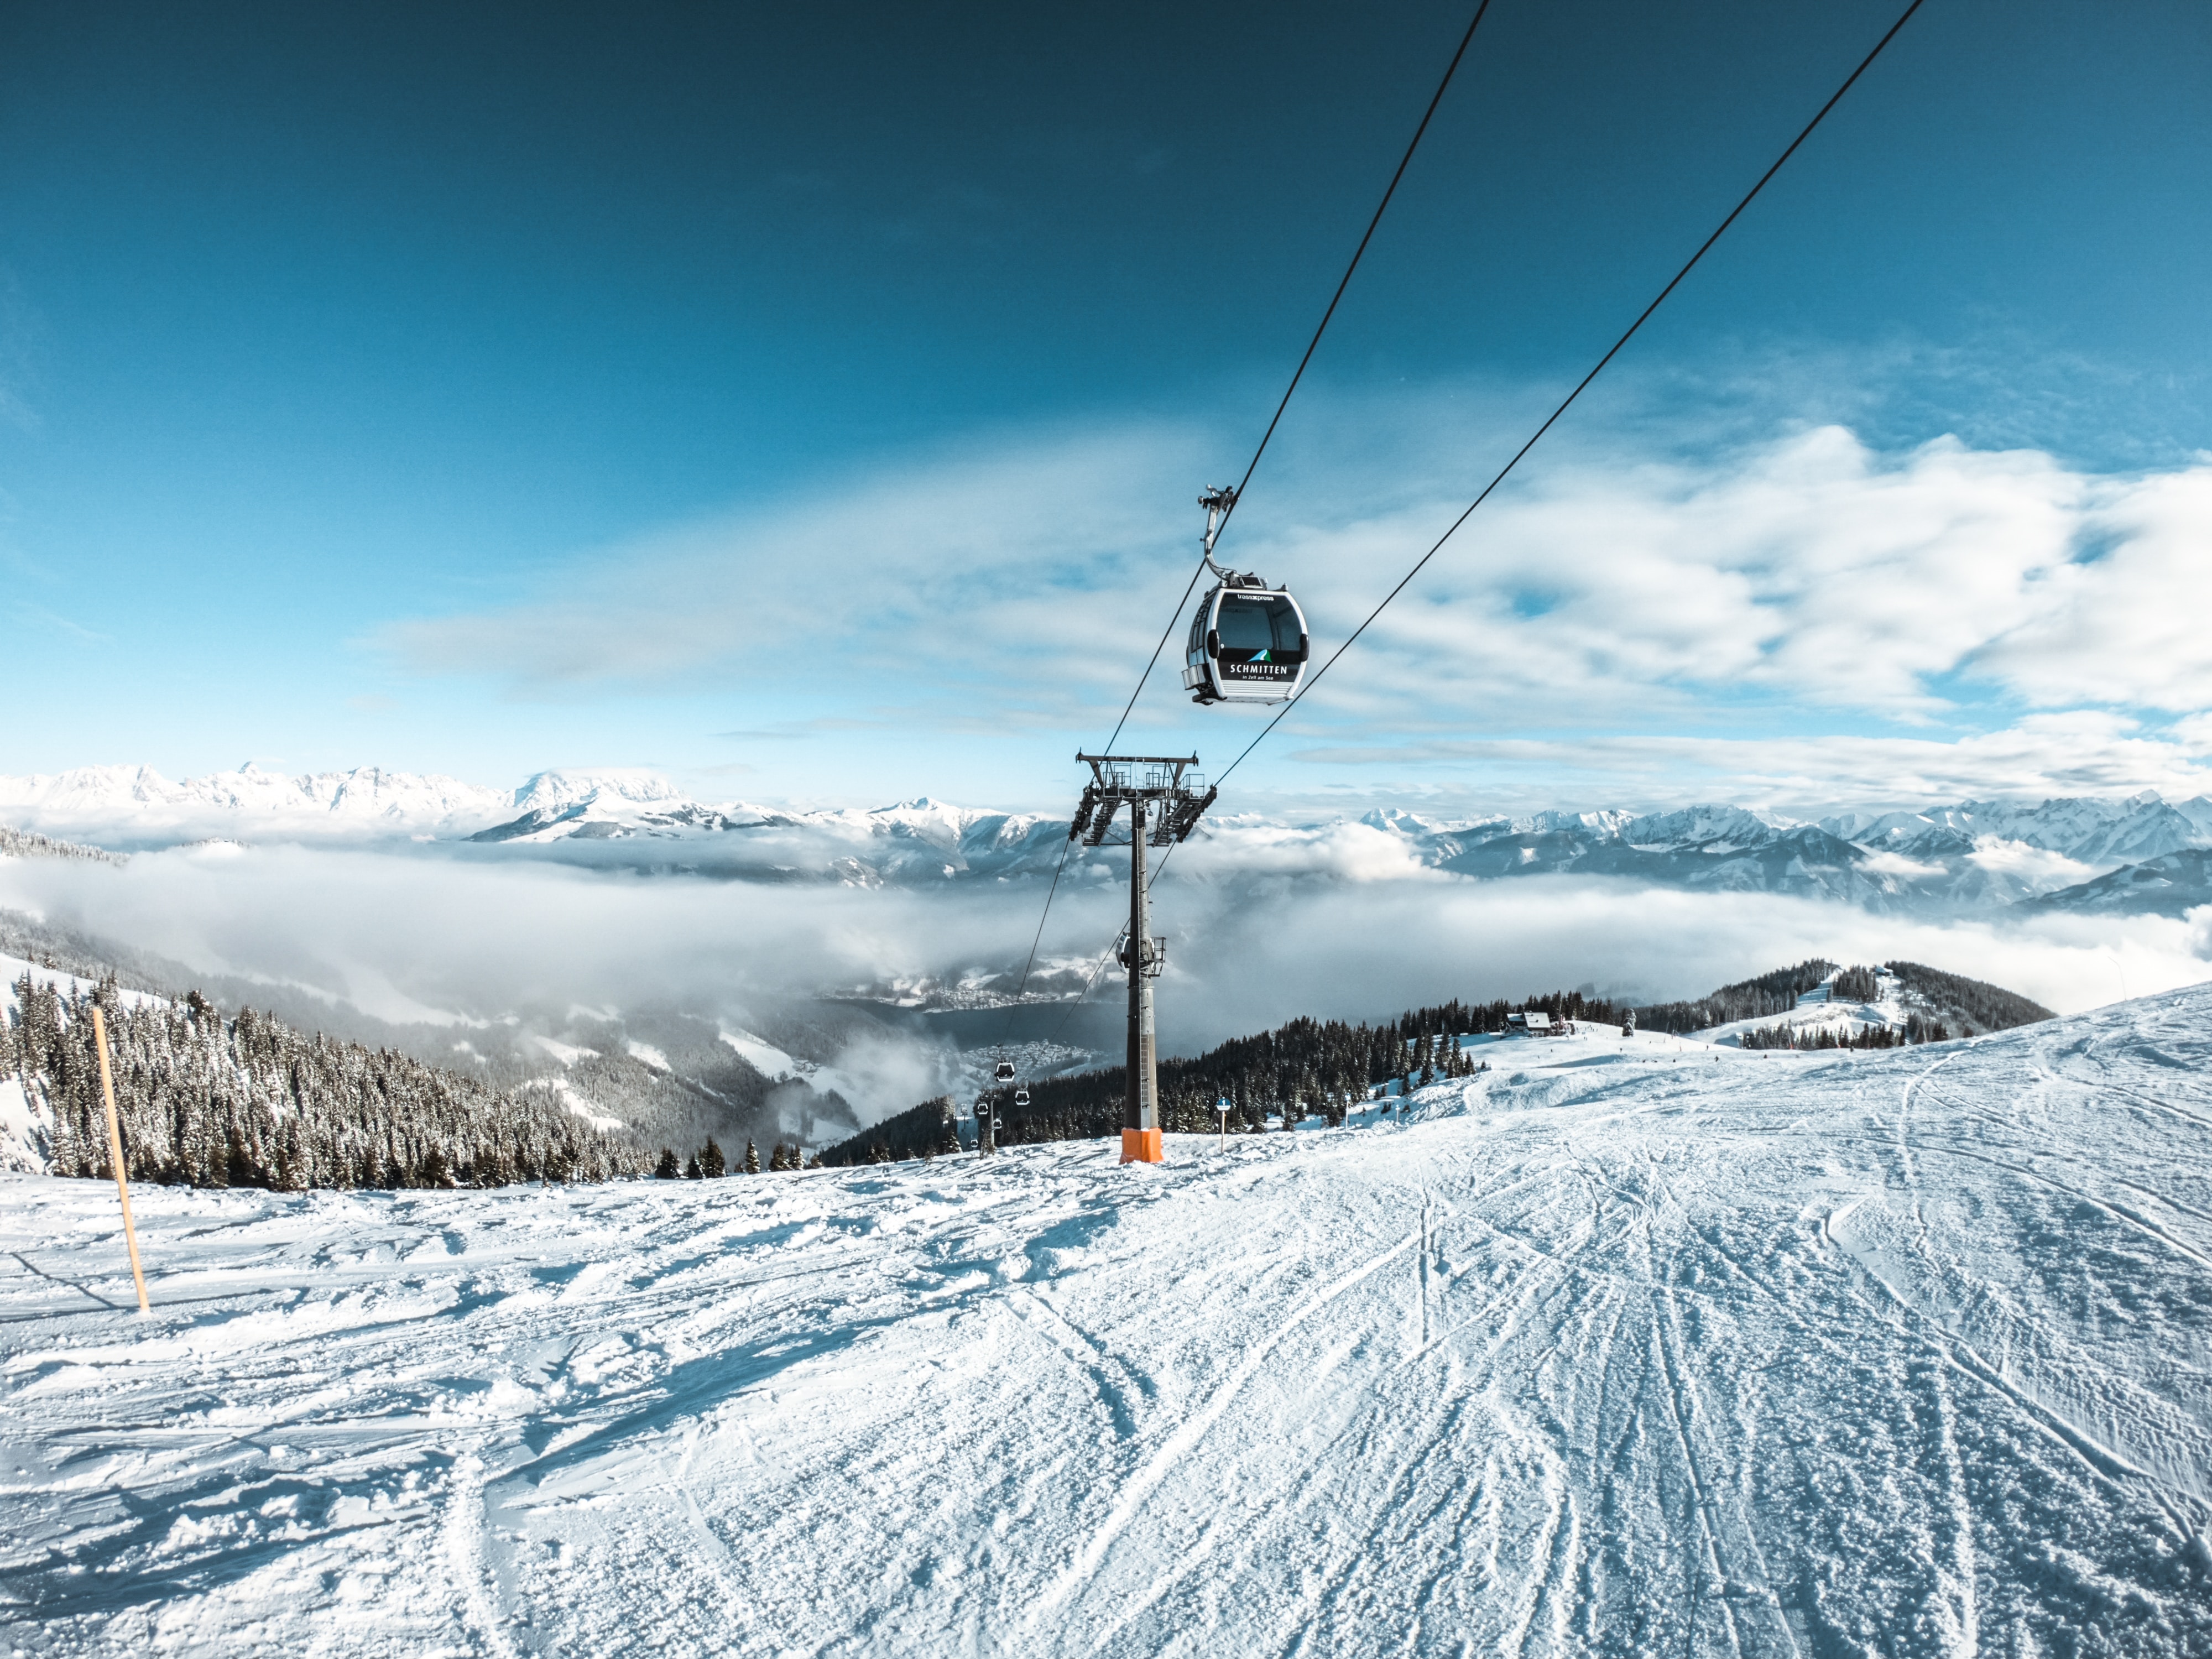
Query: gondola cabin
{"points": [[1247, 644]]}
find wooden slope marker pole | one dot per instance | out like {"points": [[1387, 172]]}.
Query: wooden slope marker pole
{"points": [[115, 1154]]}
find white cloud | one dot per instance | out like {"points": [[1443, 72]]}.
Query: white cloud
{"points": [[2125, 623], [2193, 736], [1809, 568], [1243, 963], [1324, 930], [2080, 752], [1807, 588], [1020, 570], [2036, 868], [1355, 853], [421, 936]]}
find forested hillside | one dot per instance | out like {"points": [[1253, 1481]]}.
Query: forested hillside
{"points": [[1319, 1068], [1968, 1007], [695, 1086], [1751, 998], [25, 844], [252, 1102]]}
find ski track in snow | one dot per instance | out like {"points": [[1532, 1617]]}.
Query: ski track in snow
{"points": [[1619, 1348]]}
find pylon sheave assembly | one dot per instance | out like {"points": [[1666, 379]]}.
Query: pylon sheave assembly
{"points": [[1162, 794]]}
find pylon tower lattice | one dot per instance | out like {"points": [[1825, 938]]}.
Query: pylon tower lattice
{"points": [[1163, 795]]}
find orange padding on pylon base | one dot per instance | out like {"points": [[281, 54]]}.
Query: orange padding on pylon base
{"points": [[1142, 1147]]}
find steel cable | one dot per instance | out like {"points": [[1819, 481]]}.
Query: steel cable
{"points": [[1252, 466], [1343, 283], [1550, 420], [1581, 385]]}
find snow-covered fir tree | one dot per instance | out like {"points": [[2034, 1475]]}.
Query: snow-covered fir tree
{"points": [[208, 1101]]}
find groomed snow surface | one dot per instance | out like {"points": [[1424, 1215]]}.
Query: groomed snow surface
{"points": [[1621, 1347]]}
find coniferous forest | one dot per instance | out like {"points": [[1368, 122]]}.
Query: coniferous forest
{"points": [[1316, 1069], [694, 1090], [1751, 998], [250, 1102]]}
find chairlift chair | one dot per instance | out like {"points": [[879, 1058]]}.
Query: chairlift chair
{"points": [[1248, 640], [1003, 1072], [1021, 1097]]}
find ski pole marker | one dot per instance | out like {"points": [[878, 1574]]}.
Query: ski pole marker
{"points": [[115, 1154]]}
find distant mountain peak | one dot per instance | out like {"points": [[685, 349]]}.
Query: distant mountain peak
{"points": [[569, 785], [1969, 855]]}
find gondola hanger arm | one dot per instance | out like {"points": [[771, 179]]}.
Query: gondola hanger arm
{"points": [[1218, 503]]}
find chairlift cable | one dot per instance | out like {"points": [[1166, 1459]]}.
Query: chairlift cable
{"points": [[1643, 317], [1551, 420], [1096, 969], [1006, 1031], [1343, 283], [1152, 879], [1252, 466]]}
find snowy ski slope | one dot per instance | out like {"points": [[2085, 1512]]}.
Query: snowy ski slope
{"points": [[1643, 1347]]}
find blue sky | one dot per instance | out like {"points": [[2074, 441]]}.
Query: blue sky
{"points": [[809, 402]]}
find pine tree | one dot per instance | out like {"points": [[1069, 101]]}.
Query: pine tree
{"points": [[752, 1156], [257, 1104], [667, 1169], [294, 1166], [691, 1171], [711, 1163]]}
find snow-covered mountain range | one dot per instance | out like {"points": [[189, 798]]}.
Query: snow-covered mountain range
{"points": [[1975, 856], [136, 805], [2066, 853]]}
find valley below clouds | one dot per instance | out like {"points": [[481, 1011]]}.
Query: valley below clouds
{"points": [[459, 920]]}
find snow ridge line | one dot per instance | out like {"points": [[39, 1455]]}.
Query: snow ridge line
{"points": [[1194, 1430]]}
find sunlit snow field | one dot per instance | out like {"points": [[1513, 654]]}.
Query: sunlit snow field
{"points": [[1622, 1347]]}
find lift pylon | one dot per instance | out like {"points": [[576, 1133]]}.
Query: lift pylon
{"points": [[1163, 795]]}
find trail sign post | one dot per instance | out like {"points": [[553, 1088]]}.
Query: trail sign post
{"points": [[1162, 794]]}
